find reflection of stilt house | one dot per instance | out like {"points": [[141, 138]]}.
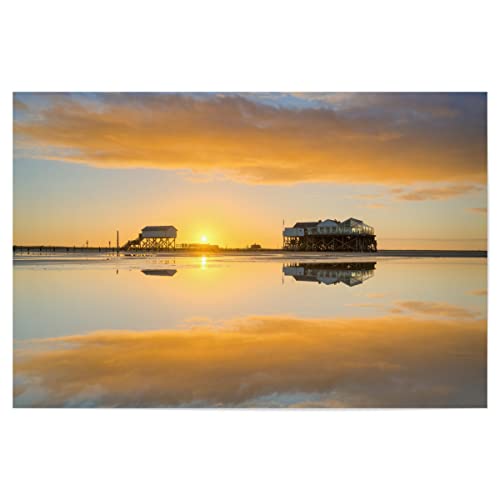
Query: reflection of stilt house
{"points": [[159, 272], [349, 273], [352, 235], [155, 238]]}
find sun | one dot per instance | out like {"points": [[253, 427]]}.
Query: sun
{"points": [[204, 239]]}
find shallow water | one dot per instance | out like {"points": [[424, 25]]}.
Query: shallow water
{"points": [[249, 332]]}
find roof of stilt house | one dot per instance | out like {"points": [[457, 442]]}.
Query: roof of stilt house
{"points": [[158, 228], [303, 225], [347, 222]]}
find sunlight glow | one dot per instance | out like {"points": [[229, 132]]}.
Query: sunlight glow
{"points": [[204, 239]]}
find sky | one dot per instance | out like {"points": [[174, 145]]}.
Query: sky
{"points": [[234, 166]]}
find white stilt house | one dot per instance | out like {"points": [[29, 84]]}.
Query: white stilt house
{"points": [[351, 235]]}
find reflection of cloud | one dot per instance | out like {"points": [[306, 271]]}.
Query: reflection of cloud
{"points": [[395, 310], [393, 138], [479, 292], [368, 196], [435, 193], [435, 309], [366, 304], [420, 307], [267, 361]]}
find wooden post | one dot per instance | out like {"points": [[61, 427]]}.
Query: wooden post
{"points": [[117, 242]]}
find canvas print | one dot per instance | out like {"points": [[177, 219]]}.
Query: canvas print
{"points": [[250, 250]]}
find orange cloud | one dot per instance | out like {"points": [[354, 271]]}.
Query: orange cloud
{"points": [[435, 193], [261, 362], [479, 210], [394, 139], [19, 105]]}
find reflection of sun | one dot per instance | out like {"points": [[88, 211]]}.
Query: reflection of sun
{"points": [[203, 262], [204, 239]]}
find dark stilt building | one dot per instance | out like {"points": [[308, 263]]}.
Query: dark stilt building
{"points": [[330, 235], [153, 238]]}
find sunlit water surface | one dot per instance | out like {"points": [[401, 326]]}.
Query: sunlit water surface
{"points": [[249, 332]]}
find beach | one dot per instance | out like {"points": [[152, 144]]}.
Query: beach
{"points": [[250, 329]]}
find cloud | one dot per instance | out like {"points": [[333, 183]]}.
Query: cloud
{"points": [[262, 361], [436, 309], [479, 292], [372, 138], [371, 199], [435, 193], [403, 105], [20, 106], [478, 210]]}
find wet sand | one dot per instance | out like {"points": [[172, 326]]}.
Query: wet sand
{"points": [[94, 255]]}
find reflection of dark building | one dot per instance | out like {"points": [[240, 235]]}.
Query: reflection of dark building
{"points": [[159, 272], [349, 273]]}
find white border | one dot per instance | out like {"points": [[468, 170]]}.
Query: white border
{"points": [[257, 46]]}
